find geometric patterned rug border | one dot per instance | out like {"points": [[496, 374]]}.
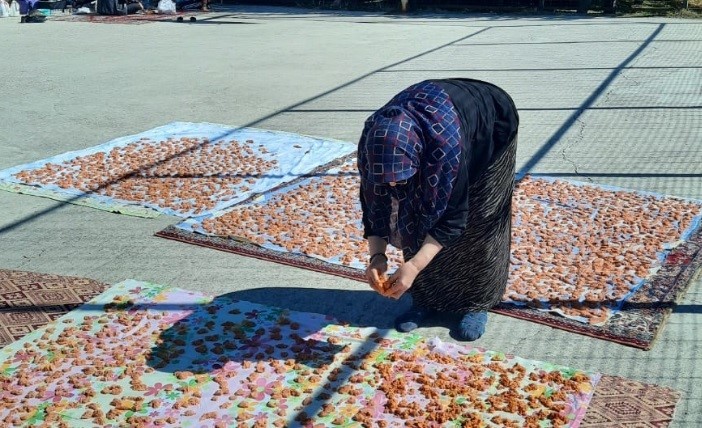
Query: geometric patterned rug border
{"points": [[624, 403], [637, 324], [30, 300]]}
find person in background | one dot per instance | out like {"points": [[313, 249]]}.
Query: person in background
{"points": [[118, 7], [437, 166], [203, 5]]}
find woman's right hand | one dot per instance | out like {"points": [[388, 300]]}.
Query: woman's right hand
{"points": [[377, 267]]}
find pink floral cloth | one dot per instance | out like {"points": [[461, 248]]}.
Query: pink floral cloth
{"points": [[155, 355]]}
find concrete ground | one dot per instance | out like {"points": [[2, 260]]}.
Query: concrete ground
{"points": [[607, 100]]}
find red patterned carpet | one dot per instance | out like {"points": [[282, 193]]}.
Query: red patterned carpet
{"points": [[624, 403], [30, 300]]}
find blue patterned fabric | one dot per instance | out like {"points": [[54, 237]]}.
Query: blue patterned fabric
{"points": [[414, 137]]}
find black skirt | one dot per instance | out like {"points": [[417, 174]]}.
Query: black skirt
{"points": [[471, 275]]}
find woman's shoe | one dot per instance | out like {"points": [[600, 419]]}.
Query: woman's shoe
{"points": [[411, 319], [472, 325]]}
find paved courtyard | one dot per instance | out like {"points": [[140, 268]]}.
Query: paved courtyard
{"points": [[606, 100]]}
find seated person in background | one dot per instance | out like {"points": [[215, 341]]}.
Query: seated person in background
{"points": [[117, 7], [190, 4], [77, 4]]}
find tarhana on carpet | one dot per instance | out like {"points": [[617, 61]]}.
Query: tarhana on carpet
{"points": [[149, 355], [604, 262], [30, 300], [182, 169]]}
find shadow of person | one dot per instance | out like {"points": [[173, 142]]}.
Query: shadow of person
{"points": [[278, 358], [285, 323], [362, 308], [357, 308]]}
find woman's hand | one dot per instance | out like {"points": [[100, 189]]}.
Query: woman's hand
{"points": [[404, 277], [401, 280], [376, 271]]}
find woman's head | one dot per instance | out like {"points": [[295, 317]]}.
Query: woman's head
{"points": [[416, 138], [392, 147]]}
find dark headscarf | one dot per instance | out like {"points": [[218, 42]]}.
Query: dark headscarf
{"points": [[414, 137]]}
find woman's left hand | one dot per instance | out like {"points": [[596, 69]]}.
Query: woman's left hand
{"points": [[402, 280]]}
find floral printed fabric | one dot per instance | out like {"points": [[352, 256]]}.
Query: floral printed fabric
{"points": [[155, 355]]}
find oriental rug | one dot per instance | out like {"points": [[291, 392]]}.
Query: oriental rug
{"points": [[30, 300], [604, 262], [623, 403]]}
